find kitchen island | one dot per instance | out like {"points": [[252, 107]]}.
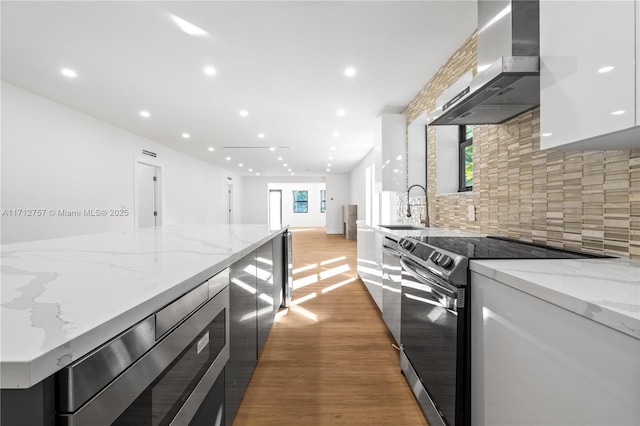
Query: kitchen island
{"points": [[62, 298]]}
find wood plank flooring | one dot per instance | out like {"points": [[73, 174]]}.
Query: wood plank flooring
{"points": [[329, 360]]}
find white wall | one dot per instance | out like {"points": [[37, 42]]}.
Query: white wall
{"points": [[338, 194], [54, 157], [255, 198], [313, 218]]}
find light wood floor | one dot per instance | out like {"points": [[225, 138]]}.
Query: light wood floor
{"points": [[329, 360]]}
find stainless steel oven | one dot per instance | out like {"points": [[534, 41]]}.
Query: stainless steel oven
{"points": [[166, 370], [435, 341]]}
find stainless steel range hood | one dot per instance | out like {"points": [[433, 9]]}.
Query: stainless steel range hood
{"points": [[508, 81]]}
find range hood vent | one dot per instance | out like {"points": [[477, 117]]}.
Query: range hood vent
{"points": [[508, 78]]}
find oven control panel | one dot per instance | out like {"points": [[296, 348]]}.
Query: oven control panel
{"points": [[445, 264]]}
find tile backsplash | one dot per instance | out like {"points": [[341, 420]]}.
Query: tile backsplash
{"points": [[588, 200]]}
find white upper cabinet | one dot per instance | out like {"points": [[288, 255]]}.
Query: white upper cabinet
{"points": [[589, 74], [391, 137]]}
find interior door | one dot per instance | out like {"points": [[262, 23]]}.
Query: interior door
{"points": [[229, 204], [146, 193], [275, 209]]}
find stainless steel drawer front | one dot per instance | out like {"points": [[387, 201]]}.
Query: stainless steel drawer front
{"points": [[78, 382], [113, 400], [172, 314], [218, 282]]}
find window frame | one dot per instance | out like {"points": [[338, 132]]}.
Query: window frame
{"points": [[323, 201], [463, 144], [304, 202]]}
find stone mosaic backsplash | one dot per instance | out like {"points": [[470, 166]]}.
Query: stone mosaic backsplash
{"points": [[583, 200]]}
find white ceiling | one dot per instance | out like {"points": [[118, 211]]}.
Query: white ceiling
{"points": [[283, 62]]}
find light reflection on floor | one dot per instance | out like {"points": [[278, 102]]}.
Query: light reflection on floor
{"points": [[314, 278]]}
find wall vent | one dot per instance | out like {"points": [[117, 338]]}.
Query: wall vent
{"points": [[149, 153]]}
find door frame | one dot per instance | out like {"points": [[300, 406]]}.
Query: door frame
{"points": [[159, 199]]}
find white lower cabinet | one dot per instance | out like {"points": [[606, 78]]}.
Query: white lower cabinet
{"points": [[534, 363], [370, 262]]}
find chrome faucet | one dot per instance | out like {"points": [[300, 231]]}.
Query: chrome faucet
{"points": [[424, 220]]}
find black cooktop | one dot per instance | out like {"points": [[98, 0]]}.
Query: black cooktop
{"points": [[501, 248]]}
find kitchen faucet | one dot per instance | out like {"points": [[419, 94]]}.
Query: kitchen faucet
{"points": [[424, 221]]}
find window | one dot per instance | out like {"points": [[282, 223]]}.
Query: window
{"points": [[300, 201], [323, 201], [465, 158]]}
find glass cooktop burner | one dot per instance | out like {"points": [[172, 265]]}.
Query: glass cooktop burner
{"points": [[501, 248]]}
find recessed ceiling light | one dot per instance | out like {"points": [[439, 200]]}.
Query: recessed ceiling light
{"points": [[211, 148], [350, 72], [261, 135], [240, 165], [279, 158], [228, 158], [336, 135], [68, 72], [292, 174], [399, 157], [333, 148], [188, 27], [250, 170], [186, 135], [328, 170], [329, 165], [289, 169], [619, 112], [340, 113], [546, 135], [244, 112], [330, 158], [285, 165], [145, 114], [257, 174], [209, 71], [605, 69]]}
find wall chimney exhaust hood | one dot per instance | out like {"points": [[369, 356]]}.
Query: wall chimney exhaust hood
{"points": [[508, 78]]}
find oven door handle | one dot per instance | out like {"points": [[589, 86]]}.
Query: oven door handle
{"points": [[390, 251], [408, 266]]}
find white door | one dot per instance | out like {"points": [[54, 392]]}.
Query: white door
{"points": [[275, 209], [229, 204], [147, 190]]}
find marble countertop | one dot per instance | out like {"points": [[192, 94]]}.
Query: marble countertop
{"points": [[63, 297], [604, 290]]}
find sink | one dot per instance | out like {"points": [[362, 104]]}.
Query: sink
{"points": [[402, 227]]}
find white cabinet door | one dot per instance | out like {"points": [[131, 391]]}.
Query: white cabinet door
{"points": [[392, 130], [369, 249], [534, 363], [588, 70]]}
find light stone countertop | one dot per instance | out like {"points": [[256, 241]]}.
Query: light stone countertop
{"points": [[63, 297], [604, 290]]}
